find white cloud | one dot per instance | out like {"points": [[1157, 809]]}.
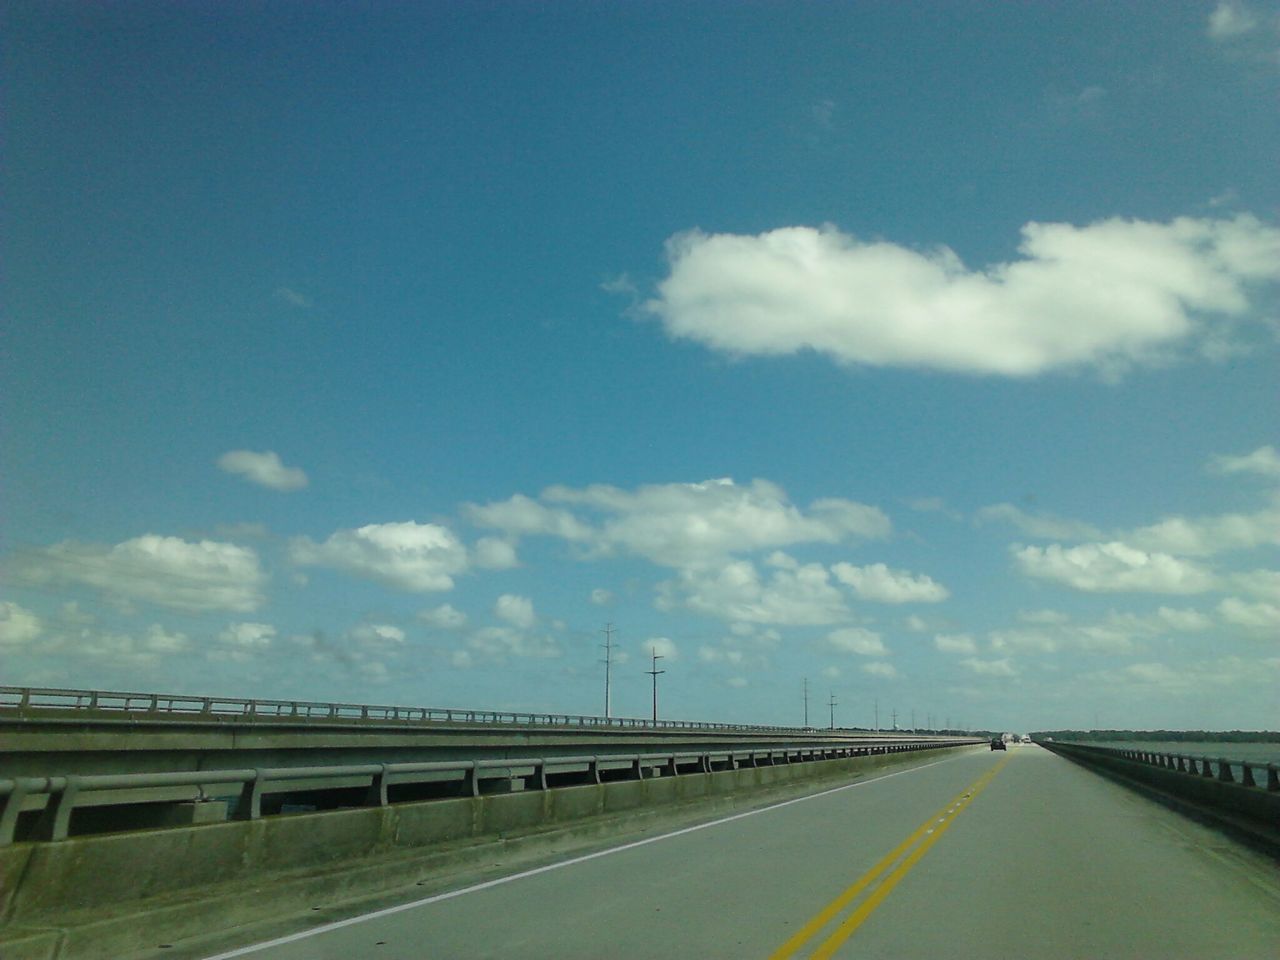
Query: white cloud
{"points": [[1041, 526], [1252, 616], [1021, 641], [879, 669], [990, 668], [736, 682], [1113, 568], [19, 627], [517, 611], [859, 640], [166, 571], [737, 592], [418, 557], [831, 673], [265, 469], [498, 643], [601, 597], [916, 624], [1258, 583], [681, 524], [444, 616], [490, 553], [522, 516], [1230, 20], [242, 641], [1265, 462], [955, 643], [662, 646], [1205, 536], [1108, 295], [377, 635], [878, 582]]}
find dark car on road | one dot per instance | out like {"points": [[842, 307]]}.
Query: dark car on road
{"points": [[997, 743]]}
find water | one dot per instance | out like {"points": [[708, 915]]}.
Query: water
{"points": [[1253, 753]]}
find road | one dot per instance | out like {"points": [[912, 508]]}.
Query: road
{"points": [[985, 855]]}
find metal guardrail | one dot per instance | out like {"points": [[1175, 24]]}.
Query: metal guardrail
{"points": [[64, 793], [1197, 765], [33, 700]]}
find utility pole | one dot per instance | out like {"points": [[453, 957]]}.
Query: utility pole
{"points": [[608, 669], [877, 714], [806, 703], [895, 718], [832, 704], [654, 673], [913, 719]]}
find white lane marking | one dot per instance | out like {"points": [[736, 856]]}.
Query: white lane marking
{"points": [[476, 888]]}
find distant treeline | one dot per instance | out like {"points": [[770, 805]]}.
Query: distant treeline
{"points": [[1203, 736]]}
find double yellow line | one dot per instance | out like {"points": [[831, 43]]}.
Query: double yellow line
{"points": [[924, 837]]}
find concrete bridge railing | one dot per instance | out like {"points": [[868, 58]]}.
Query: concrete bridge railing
{"points": [[37, 701], [149, 799]]}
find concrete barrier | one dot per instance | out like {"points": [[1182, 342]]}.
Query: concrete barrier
{"points": [[109, 897]]}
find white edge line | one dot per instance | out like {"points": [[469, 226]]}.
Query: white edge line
{"points": [[476, 888]]}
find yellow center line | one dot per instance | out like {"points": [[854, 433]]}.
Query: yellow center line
{"points": [[931, 830]]}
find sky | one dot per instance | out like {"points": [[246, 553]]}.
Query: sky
{"points": [[922, 356]]}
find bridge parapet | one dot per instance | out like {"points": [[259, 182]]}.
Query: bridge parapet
{"points": [[51, 702], [41, 808]]}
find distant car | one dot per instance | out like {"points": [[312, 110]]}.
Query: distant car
{"points": [[997, 743]]}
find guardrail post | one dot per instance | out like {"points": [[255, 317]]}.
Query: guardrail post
{"points": [[377, 795], [1246, 775], [471, 782], [22, 788], [1206, 767], [250, 805], [637, 769], [595, 770], [1182, 765], [55, 822], [540, 772], [1224, 771], [1273, 778]]}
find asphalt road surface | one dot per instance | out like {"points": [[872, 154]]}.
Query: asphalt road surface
{"points": [[984, 855]]}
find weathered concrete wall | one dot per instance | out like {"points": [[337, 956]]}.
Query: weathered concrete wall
{"points": [[114, 896]]}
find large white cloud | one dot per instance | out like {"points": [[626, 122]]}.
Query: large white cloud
{"points": [[1109, 294], [681, 524], [736, 592], [265, 469], [1113, 568], [167, 571], [419, 557], [879, 582]]}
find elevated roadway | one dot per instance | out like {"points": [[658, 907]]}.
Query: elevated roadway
{"points": [[981, 855], [58, 732]]}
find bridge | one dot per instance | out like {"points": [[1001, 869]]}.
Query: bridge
{"points": [[753, 842]]}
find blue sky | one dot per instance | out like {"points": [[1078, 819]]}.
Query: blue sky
{"points": [[387, 353]]}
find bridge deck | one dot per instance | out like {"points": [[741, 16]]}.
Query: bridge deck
{"points": [[983, 856]]}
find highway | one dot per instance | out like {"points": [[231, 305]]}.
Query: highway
{"points": [[983, 855]]}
